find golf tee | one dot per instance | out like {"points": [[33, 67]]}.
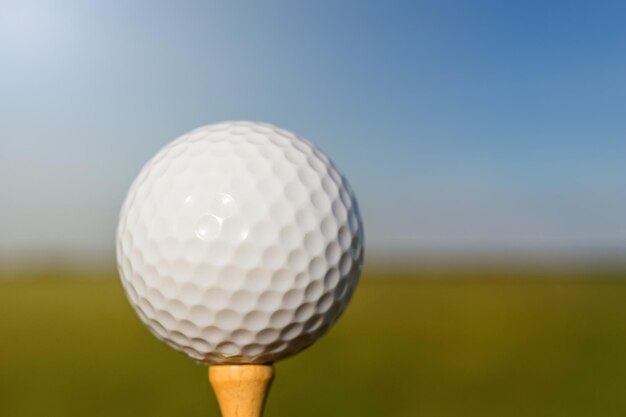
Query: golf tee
{"points": [[241, 390]]}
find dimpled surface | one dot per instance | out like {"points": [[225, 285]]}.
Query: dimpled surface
{"points": [[239, 242]]}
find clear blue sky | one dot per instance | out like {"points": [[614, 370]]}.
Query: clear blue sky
{"points": [[472, 124]]}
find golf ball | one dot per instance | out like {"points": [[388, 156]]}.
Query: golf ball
{"points": [[239, 242]]}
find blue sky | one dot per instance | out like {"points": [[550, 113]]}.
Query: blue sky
{"points": [[460, 124]]}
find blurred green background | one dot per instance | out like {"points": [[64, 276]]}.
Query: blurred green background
{"points": [[471, 342]]}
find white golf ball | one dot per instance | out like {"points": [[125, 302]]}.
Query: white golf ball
{"points": [[239, 242]]}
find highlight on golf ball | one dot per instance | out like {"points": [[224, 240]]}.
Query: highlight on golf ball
{"points": [[239, 242]]}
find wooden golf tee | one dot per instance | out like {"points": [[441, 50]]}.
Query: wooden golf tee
{"points": [[241, 390]]}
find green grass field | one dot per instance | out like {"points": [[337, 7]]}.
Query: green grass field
{"points": [[459, 346]]}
